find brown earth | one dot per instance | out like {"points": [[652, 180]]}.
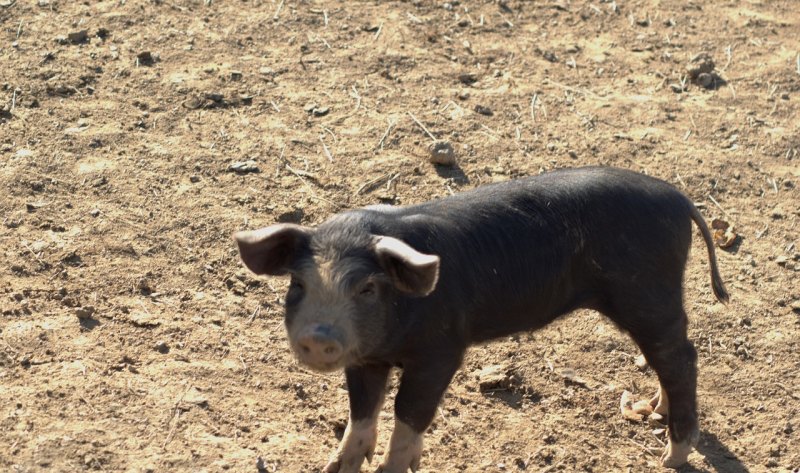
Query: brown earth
{"points": [[133, 340]]}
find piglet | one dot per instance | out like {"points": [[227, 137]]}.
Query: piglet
{"points": [[413, 287]]}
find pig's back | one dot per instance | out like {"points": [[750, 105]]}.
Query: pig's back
{"points": [[517, 254]]}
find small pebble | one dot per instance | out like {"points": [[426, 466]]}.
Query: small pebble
{"points": [[161, 347], [84, 312], [244, 167], [442, 153], [484, 110], [705, 80], [467, 79], [700, 64], [78, 37], [145, 58]]}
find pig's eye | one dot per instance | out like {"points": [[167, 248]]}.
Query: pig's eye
{"points": [[367, 290], [295, 293]]}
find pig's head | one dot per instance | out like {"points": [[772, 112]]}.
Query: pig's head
{"points": [[344, 281]]}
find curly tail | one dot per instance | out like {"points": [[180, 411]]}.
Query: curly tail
{"points": [[716, 280]]}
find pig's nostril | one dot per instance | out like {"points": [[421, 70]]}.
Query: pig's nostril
{"points": [[305, 349]]}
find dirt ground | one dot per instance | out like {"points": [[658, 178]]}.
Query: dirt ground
{"points": [[136, 136]]}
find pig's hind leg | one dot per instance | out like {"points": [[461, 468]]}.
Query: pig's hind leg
{"points": [[366, 386], [659, 328]]}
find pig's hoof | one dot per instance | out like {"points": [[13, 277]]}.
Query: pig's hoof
{"points": [[347, 464], [413, 466], [676, 454], [358, 443], [405, 451]]}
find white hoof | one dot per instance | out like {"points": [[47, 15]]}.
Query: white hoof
{"points": [[405, 450], [357, 444], [660, 403], [676, 454]]}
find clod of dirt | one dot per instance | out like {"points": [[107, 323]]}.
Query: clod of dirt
{"points": [[34, 206], [236, 75], [94, 212], [496, 377], [292, 216], [571, 377], [193, 103], [85, 312], [701, 71], [550, 56], [143, 319], [705, 80], [467, 78], [161, 347], [442, 153], [102, 33], [145, 58], [777, 213], [194, 396], [700, 64], [484, 110], [724, 235], [244, 167], [23, 153], [78, 37], [316, 110]]}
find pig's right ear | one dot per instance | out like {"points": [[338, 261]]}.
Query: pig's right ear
{"points": [[411, 271], [272, 250]]}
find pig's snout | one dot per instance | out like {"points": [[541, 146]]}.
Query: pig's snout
{"points": [[319, 347]]}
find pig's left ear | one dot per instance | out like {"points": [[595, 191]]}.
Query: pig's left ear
{"points": [[272, 250], [411, 271]]}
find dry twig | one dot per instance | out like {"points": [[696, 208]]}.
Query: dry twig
{"points": [[421, 125]]}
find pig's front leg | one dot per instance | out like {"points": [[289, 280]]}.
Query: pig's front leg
{"points": [[421, 389], [366, 386]]}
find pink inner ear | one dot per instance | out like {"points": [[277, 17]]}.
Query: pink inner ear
{"points": [[405, 252], [413, 272]]}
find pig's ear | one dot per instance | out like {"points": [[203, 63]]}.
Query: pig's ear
{"points": [[411, 271], [272, 250]]}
